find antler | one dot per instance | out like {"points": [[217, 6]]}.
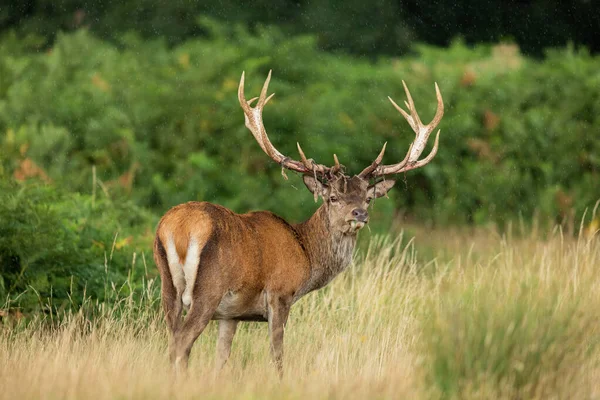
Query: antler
{"points": [[254, 122], [411, 161]]}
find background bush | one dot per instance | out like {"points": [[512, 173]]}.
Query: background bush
{"points": [[163, 126], [56, 248]]}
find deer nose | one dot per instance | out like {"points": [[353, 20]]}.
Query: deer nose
{"points": [[360, 214]]}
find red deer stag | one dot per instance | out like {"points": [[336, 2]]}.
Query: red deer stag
{"points": [[231, 267]]}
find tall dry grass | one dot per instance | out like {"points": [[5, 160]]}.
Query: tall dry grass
{"points": [[446, 314]]}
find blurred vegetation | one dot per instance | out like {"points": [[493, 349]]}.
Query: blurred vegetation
{"points": [[99, 137], [366, 28], [163, 126], [532, 342]]}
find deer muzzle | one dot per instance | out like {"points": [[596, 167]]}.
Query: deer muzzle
{"points": [[359, 219]]}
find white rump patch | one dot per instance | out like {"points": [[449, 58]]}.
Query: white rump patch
{"points": [[190, 269], [183, 274], [175, 266]]}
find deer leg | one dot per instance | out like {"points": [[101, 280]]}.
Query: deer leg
{"points": [[172, 306], [278, 311], [171, 303], [170, 296], [196, 320], [227, 329]]}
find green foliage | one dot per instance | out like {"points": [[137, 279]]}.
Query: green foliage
{"points": [[163, 126], [56, 247]]}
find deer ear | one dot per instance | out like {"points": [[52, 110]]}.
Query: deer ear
{"points": [[315, 186], [380, 188]]}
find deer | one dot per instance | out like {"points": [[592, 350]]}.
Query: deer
{"points": [[219, 265]]}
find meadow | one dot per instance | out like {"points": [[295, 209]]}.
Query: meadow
{"points": [[421, 314]]}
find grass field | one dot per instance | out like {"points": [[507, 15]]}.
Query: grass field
{"points": [[459, 313]]}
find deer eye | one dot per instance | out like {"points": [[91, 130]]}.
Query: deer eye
{"points": [[368, 200], [333, 199]]}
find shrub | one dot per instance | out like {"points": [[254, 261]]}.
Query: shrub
{"points": [[54, 246]]}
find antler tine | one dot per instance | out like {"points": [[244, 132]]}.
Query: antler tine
{"points": [[241, 98], [313, 167], [248, 111], [337, 166], [303, 158], [439, 112], [262, 100], [411, 105], [254, 122], [422, 132], [367, 171]]}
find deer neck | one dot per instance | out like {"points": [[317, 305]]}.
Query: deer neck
{"points": [[329, 251]]}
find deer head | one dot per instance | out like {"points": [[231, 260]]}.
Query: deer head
{"points": [[346, 198]]}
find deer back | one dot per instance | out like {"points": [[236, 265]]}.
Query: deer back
{"points": [[257, 250]]}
